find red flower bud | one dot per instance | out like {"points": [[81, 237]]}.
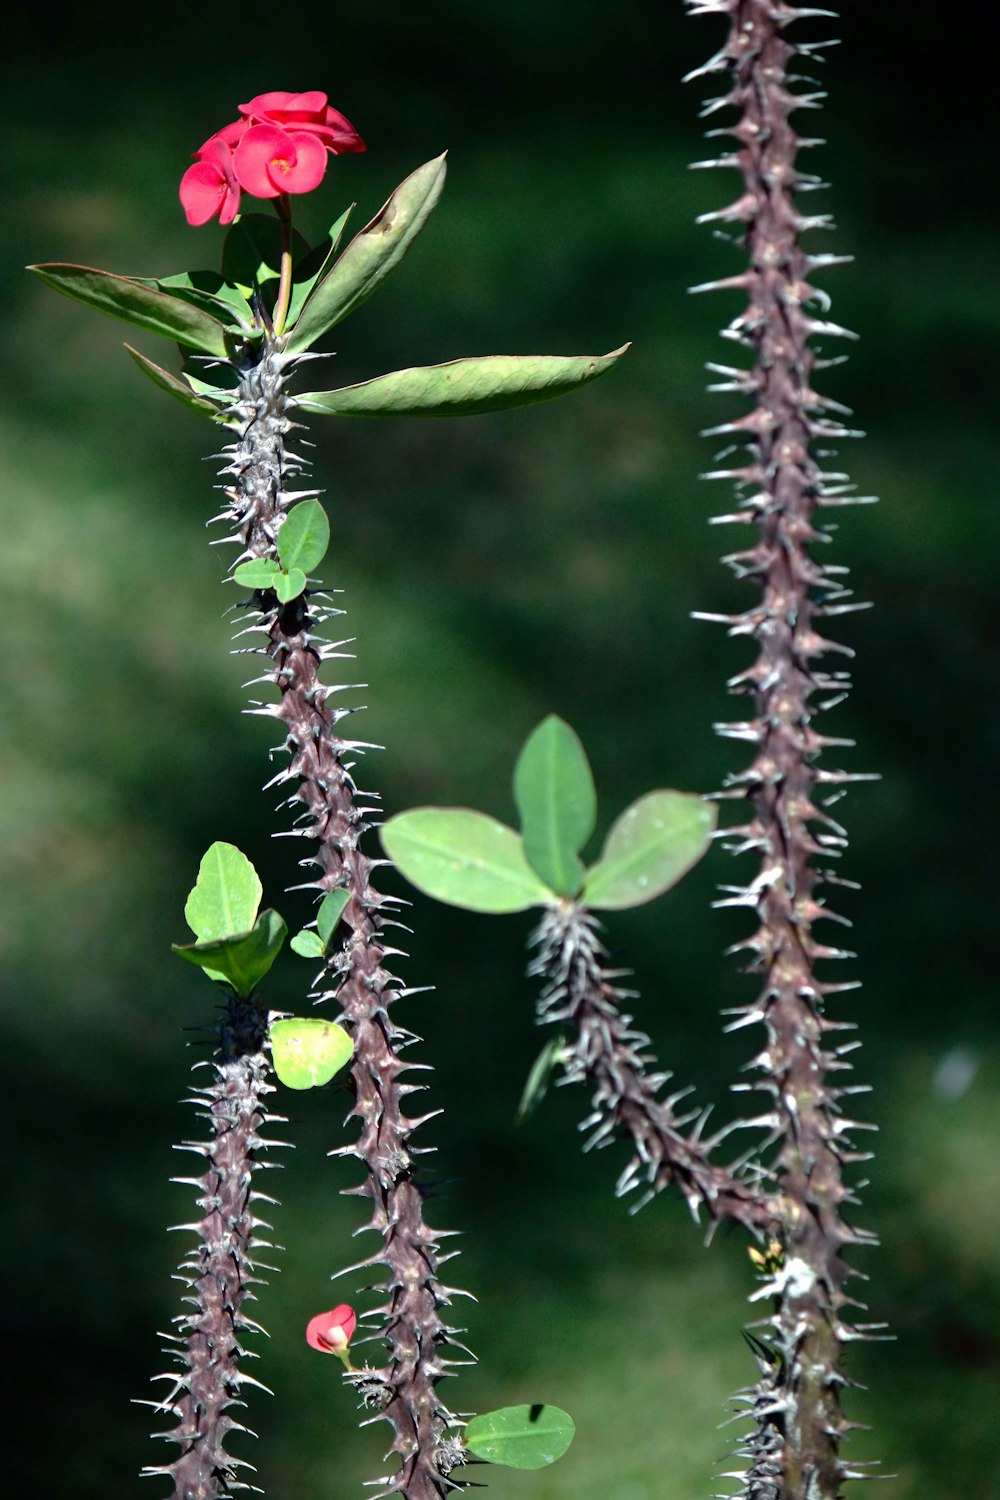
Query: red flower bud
{"points": [[331, 1332]]}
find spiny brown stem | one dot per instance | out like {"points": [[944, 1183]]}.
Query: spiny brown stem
{"points": [[334, 819], [781, 487], [219, 1270], [613, 1057]]}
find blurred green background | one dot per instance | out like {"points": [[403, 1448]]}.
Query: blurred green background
{"points": [[494, 570]]}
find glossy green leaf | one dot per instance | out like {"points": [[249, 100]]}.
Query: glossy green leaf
{"points": [[258, 573], [554, 792], [312, 268], [464, 387], [304, 537], [464, 858], [224, 899], [521, 1437], [290, 585], [537, 1083], [308, 944], [240, 961], [173, 385], [142, 306], [251, 253], [371, 255], [331, 909], [307, 1052], [649, 848]]}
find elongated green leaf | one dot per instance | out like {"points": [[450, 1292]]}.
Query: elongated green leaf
{"points": [[224, 899], [371, 255], [243, 960], [464, 858], [208, 290], [251, 252], [649, 848], [258, 573], [464, 387], [537, 1083], [142, 306], [307, 1052], [521, 1437], [313, 268], [554, 792], [331, 909], [304, 537], [173, 384], [289, 586]]}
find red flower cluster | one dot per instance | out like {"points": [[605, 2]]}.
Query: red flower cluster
{"points": [[331, 1332], [279, 146]]}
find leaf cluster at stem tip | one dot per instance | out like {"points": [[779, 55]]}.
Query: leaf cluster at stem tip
{"points": [[212, 316], [469, 859], [237, 945]]}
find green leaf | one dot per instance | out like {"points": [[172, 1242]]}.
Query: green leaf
{"points": [[224, 899], [307, 1052], [172, 384], [304, 537], [208, 290], [331, 909], [554, 792], [258, 573], [313, 267], [464, 387], [371, 255], [143, 306], [464, 858], [308, 944], [653, 843], [521, 1437], [251, 252], [290, 585], [537, 1083], [242, 960]]}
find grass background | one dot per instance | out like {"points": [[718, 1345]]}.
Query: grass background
{"points": [[493, 570]]}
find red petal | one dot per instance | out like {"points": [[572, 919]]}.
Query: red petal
{"points": [[202, 191], [259, 147], [319, 1328], [340, 135], [305, 171]]}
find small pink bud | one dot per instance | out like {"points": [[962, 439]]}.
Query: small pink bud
{"points": [[331, 1332]]}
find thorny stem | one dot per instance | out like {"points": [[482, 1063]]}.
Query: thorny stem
{"points": [[613, 1057], [219, 1269], [334, 819], [794, 1449]]}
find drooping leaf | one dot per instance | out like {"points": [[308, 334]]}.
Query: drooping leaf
{"points": [[289, 586], [173, 384], [649, 848], [142, 306], [537, 1082], [251, 253], [307, 1052], [464, 387], [521, 1437], [258, 573], [304, 537], [554, 792], [242, 960], [312, 268], [464, 858], [371, 255], [331, 909], [307, 944], [224, 899]]}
